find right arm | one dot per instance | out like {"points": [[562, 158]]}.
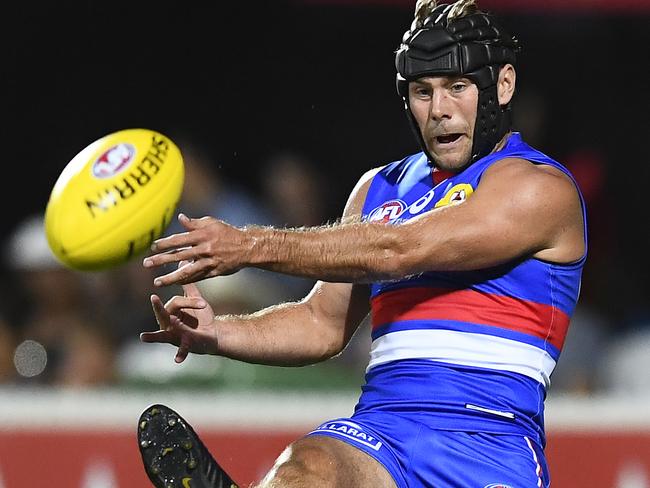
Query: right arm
{"points": [[291, 334]]}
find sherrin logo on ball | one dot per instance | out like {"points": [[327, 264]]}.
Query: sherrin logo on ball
{"points": [[114, 198]]}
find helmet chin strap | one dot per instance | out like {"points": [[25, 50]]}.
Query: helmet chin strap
{"points": [[493, 121]]}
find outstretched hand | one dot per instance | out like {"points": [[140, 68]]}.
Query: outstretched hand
{"points": [[210, 247], [186, 322]]}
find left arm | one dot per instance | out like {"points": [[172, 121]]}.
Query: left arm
{"points": [[518, 209]]}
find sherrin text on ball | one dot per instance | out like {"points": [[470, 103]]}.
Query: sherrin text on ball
{"points": [[114, 198]]}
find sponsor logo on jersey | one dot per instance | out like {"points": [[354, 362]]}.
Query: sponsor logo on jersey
{"points": [[456, 194], [113, 160], [497, 485], [351, 431]]}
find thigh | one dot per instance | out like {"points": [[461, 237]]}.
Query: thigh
{"points": [[326, 462]]}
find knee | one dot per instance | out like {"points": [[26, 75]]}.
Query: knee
{"points": [[305, 462]]}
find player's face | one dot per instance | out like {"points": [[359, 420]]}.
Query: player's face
{"points": [[445, 110]]}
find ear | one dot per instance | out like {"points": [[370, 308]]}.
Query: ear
{"points": [[506, 84]]}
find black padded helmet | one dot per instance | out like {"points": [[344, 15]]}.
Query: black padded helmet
{"points": [[474, 46]]}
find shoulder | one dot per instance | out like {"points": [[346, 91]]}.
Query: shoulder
{"points": [[544, 200], [354, 205], [541, 200], [395, 170], [367, 177], [526, 179], [392, 171]]}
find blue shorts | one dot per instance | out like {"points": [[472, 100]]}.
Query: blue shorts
{"points": [[417, 456]]}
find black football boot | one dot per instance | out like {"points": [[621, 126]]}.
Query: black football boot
{"points": [[173, 455]]}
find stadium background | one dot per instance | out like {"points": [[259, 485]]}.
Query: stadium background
{"points": [[245, 82]]}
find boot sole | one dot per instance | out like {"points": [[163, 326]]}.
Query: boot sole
{"points": [[171, 452]]}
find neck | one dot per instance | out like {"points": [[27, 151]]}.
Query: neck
{"points": [[499, 145]]}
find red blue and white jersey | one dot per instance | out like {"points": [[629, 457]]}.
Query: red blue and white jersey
{"points": [[469, 350]]}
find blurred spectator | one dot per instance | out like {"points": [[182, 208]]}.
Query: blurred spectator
{"points": [[294, 190], [625, 363], [88, 359], [602, 279], [576, 371], [208, 192], [59, 341], [121, 298]]}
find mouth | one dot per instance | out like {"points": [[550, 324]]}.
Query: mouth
{"points": [[447, 140]]}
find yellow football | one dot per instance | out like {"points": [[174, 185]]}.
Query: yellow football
{"points": [[113, 199]]}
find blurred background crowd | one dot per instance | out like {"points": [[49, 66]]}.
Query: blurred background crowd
{"points": [[278, 107]]}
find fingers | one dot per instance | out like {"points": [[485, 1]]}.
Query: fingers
{"points": [[174, 241], [181, 246], [184, 274], [159, 336], [167, 314], [183, 239], [175, 255], [191, 224], [172, 329], [177, 304], [185, 221], [164, 337], [160, 312], [190, 289], [177, 323], [170, 278], [184, 347]]}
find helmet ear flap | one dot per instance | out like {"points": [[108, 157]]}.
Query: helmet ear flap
{"points": [[402, 88]]}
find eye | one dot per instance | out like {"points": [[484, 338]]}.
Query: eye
{"points": [[421, 91], [458, 87]]}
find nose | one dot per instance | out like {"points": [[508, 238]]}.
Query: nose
{"points": [[440, 107]]}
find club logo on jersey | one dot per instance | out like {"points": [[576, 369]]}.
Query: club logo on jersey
{"points": [[387, 211], [497, 485], [456, 194], [113, 160], [351, 431]]}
